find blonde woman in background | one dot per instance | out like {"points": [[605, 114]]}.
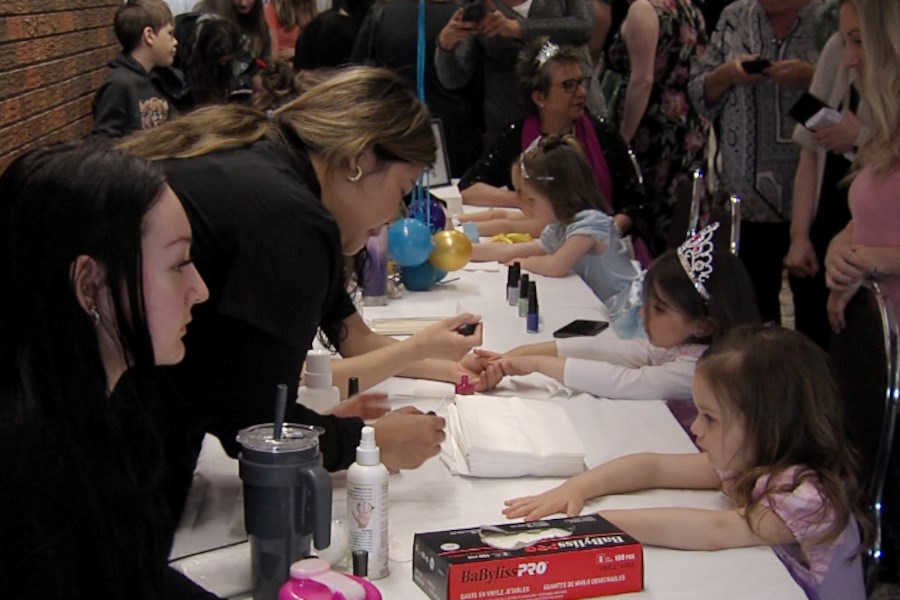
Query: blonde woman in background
{"points": [[870, 244], [278, 200]]}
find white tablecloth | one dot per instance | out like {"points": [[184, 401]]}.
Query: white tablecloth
{"points": [[429, 498]]}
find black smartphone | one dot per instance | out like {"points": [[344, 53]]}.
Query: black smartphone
{"points": [[580, 327], [757, 65], [473, 10], [805, 107]]}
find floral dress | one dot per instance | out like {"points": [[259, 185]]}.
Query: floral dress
{"points": [[671, 137]]}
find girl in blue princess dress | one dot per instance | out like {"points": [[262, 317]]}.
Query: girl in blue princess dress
{"points": [[771, 433], [555, 183]]}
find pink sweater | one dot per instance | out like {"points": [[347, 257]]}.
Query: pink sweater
{"points": [[875, 206]]}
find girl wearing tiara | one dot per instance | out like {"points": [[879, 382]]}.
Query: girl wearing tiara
{"points": [[555, 88], [691, 297], [556, 185], [771, 435]]}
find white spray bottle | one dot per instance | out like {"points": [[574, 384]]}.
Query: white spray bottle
{"points": [[367, 504]]}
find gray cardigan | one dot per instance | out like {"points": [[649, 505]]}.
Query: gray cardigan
{"points": [[565, 21]]}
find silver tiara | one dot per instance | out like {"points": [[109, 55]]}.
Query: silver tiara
{"points": [[547, 51], [696, 256]]}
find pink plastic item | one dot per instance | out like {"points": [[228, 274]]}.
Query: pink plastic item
{"points": [[464, 387], [313, 579]]}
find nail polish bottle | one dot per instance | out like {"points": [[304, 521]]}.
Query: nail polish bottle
{"points": [[533, 322], [512, 284], [465, 388], [522, 304]]}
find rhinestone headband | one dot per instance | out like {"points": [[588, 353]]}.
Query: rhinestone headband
{"points": [[547, 51], [696, 256]]}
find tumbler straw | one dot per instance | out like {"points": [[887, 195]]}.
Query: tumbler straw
{"points": [[280, 406]]}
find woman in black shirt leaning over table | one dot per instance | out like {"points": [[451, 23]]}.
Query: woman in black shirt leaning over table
{"points": [[276, 202], [95, 249]]}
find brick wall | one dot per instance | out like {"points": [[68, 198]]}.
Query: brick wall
{"points": [[53, 56]]}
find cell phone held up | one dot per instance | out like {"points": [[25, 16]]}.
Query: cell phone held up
{"points": [[580, 328], [813, 113], [755, 66], [473, 10]]}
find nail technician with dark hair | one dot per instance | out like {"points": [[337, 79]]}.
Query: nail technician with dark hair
{"points": [[97, 248], [277, 201]]}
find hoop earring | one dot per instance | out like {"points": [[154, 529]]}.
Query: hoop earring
{"points": [[95, 314], [356, 176]]}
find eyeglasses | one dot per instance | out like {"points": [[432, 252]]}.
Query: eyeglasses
{"points": [[570, 85], [525, 174]]}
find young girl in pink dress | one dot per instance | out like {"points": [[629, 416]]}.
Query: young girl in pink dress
{"points": [[869, 247], [771, 433]]}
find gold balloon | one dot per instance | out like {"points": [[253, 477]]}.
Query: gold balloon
{"points": [[452, 250]]}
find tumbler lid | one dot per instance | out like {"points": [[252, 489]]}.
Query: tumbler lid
{"points": [[294, 438]]}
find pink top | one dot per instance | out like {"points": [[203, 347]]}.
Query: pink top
{"points": [[285, 39], [875, 206], [825, 572]]}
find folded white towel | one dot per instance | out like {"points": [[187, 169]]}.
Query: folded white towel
{"points": [[511, 437]]}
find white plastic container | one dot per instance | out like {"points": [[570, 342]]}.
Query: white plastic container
{"points": [[367, 505], [318, 394]]}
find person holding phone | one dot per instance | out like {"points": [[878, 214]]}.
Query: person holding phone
{"points": [[753, 128], [491, 45], [821, 209]]}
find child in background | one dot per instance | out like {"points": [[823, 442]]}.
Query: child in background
{"points": [[287, 18], [256, 38], [208, 70], [771, 432], [555, 183], [692, 296], [497, 221], [140, 91]]}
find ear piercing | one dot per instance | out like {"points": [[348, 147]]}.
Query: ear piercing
{"points": [[356, 176]]}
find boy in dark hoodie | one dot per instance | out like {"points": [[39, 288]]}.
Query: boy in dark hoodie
{"points": [[139, 92]]}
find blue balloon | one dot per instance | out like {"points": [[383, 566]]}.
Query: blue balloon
{"points": [[420, 278], [438, 274], [419, 210], [409, 242]]}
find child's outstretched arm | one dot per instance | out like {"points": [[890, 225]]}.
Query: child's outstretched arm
{"points": [[501, 252], [551, 366], [698, 529], [561, 262], [531, 226], [626, 474], [539, 349]]}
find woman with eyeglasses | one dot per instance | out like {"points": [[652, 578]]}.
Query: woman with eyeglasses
{"points": [[553, 82], [653, 50]]}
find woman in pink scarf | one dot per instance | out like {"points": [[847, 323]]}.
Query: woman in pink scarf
{"points": [[552, 78]]}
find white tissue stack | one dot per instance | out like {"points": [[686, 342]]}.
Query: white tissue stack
{"points": [[511, 437]]}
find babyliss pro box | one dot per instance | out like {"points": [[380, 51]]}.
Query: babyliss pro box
{"points": [[553, 559]]}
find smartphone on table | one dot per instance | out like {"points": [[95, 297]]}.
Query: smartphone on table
{"points": [[580, 328]]}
